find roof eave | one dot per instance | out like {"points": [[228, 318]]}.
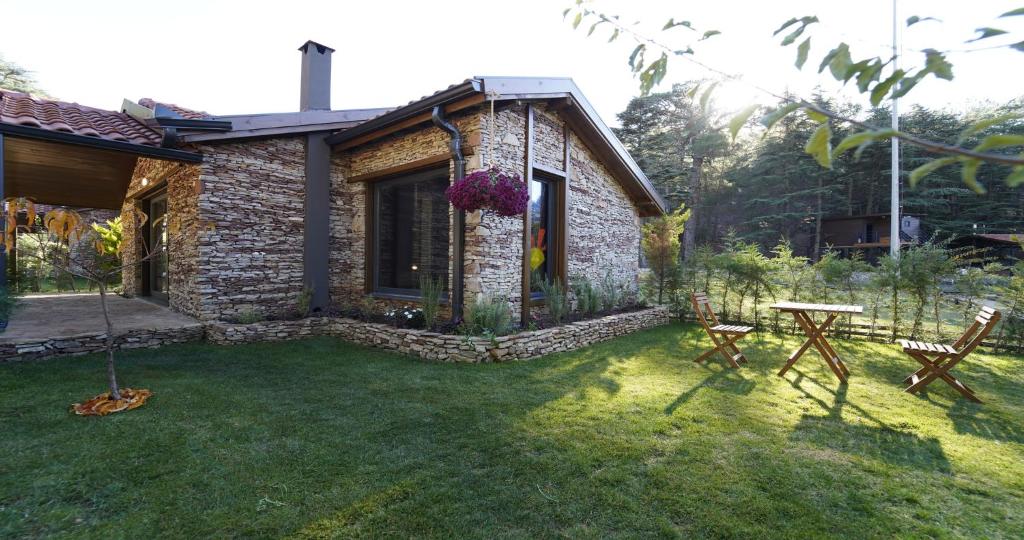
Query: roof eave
{"points": [[95, 142], [459, 91]]}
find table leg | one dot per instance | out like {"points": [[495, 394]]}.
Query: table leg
{"points": [[803, 348], [815, 336], [824, 349]]}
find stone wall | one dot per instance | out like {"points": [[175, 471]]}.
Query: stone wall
{"points": [[494, 244], [252, 198], [448, 348], [17, 350], [603, 222], [183, 184], [238, 226]]}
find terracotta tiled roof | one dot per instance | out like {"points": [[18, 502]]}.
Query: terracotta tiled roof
{"points": [[182, 111], [23, 110]]}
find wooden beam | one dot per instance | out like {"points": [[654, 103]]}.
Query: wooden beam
{"points": [[368, 238], [524, 318], [550, 171], [564, 202], [421, 118], [403, 168]]}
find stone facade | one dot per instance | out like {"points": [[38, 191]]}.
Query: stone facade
{"points": [[182, 184], [237, 220], [448, 348], [241, 214], [253, 197]]}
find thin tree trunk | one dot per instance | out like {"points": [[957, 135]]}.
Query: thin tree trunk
{"points": [[690, 232], [115, 392], [849, 198], [817, 225]]}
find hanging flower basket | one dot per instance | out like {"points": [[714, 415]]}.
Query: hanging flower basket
{"points": [[490, 189]]}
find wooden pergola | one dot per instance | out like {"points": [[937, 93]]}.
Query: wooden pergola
{"points": [[68, 169]]}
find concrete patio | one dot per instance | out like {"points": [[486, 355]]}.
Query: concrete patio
{"points": [[61, 324]]}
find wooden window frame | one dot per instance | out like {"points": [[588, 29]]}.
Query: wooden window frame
{"points": [[558, 246], [372, 224]]}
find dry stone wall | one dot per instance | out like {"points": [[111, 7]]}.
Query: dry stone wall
{"points": [[79, 344], [446, 348]]}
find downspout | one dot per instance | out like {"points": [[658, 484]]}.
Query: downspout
{"points": [[459, 238]]}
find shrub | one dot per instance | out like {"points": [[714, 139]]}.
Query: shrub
{"points": [[367, 308], [305, 299], [556, 300], [612, 293], [489, 316], [588, 300], [431, 290], [249, 316]]}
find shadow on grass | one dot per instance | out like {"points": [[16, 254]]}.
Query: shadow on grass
{"points": [[976, 419], [723, 379], [879, 441]]}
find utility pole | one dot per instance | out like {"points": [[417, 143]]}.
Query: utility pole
{"points": [[894, 212]]}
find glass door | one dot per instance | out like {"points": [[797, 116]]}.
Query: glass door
{"points": [[159, 267]]}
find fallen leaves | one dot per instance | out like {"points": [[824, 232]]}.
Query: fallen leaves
{"points": [[103, 405]]}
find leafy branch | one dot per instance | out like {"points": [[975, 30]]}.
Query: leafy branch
{"points": [[867, 74]]}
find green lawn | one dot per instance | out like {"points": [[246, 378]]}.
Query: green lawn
{"points": [[627, 438]]}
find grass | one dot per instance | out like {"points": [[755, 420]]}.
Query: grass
{"points": [[627, 438]]}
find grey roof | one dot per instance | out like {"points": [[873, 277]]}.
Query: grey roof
{"points": [[589, 125], [289, 123]]}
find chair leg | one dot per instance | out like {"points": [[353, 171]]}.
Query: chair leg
{"points": [[937, 369], [721, 347]]}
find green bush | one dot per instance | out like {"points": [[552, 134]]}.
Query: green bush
{"points": [[249, 316], [612, 293], [489, 316], [556, 300], [588, 299], [305, 299]]}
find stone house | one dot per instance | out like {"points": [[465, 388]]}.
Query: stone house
{"points": [[350, 204]]}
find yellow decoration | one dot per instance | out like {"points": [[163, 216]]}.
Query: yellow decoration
{"points": [[536, 258]]}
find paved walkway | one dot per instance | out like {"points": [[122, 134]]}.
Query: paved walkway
{"points": [[59, 315]]}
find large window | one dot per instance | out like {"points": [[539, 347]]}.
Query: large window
{"points": [[410, 222], [543, 233]]}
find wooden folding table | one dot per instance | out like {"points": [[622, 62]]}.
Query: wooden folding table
{"points": [[816, 333]]}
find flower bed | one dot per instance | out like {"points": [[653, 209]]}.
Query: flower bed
{"points": [[446, 347]]}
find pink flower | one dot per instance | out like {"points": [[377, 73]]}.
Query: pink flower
{"points": [[506, 195]]}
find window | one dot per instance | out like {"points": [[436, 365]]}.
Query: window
{"points": [[543, 233], [410, 232]]}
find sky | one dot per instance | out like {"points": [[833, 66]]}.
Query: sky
{"points": [[234, 57]]}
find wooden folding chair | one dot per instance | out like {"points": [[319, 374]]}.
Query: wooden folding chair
{"points": [[723, 335], [937, 359]]}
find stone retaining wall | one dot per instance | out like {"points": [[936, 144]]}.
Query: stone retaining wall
{"points": [[441, 347], [96, 342]]}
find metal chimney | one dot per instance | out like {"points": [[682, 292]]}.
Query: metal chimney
{"points": [[315, 91]]}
